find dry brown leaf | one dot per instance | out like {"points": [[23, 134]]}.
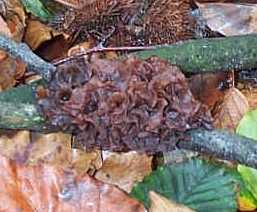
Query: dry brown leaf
{"points": [[37, 33], [162, 204], [124, 169], [230, 18], [14, 144], [47, 43], [251, 96], [210, 88], [6, 31], [11, 70], [4, 28], [231, 111], [48, 188], [86, 161], [15, 18], [54, 49], [11, 25], [53, 148]]}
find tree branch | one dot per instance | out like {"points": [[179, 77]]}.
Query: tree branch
{"points": [[24, 53], [209, 55], [223, 145]]}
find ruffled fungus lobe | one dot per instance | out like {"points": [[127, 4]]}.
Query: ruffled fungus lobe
{"points": [[136, 22], [142, 105]]}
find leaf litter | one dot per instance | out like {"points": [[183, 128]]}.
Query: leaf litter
{"points": [[101, 101]]}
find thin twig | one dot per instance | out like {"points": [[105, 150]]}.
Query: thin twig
{"points": [[103, 49]]}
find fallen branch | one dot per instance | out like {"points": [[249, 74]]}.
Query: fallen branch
{"points": [[203, 55], [223, 145], [208, 55], [23, 52]]}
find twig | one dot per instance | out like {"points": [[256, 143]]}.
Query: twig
{"points": [[223, 145], [103, 49], [24, 53]]}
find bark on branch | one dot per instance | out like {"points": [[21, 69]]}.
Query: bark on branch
{"points": [[23, 52], [212, 54], [223, 145]]}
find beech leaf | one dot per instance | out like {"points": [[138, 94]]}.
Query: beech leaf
{"points": [[196, 184], [50, 188]]}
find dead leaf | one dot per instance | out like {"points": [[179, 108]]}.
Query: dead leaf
{"points": [[86, 161], [251, 96], [231, 111], [14, 144], [15, 18], [6, 31], [162, 204], [124, 169], [54, 49], [4, 28], [47, 188], [10, 70], [52, 148], [12, 25], [37, 33], [230, 18], [210, 88]]}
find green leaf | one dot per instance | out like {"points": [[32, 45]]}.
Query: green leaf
{"points": [[248, 125], [38, 9], [246, 200], [250, 178], [197, 184], [248, 128]]}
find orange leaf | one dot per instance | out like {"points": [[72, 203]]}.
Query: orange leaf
{"points": [[47, 188], [209, 88]]}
